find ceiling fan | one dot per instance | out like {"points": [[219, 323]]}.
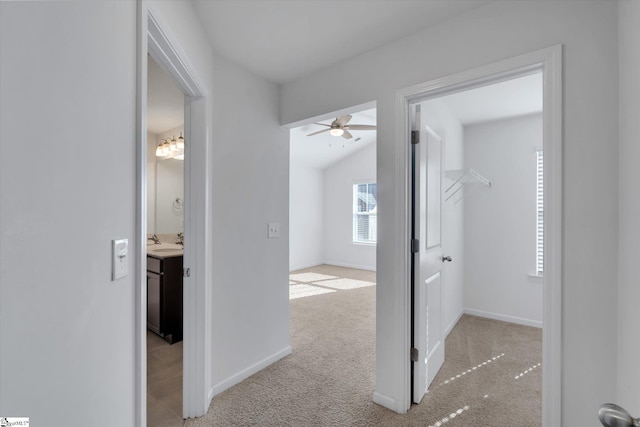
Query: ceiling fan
{"points": [[340, 127]]}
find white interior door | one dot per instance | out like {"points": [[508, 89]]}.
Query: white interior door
{"points": [[427, 180]]}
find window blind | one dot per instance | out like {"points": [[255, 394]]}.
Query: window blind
{"points": [[539, 213], [365, 208]]}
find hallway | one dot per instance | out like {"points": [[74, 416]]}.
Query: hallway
{"points": [[329, 378]]}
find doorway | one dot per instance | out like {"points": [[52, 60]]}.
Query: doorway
{"points": [[548, 62], [155, 39], [333, 235], [486, 222], [332, 194], [165, 247]]}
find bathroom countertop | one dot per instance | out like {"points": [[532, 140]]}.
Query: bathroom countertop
{"points": [[164, 250]]}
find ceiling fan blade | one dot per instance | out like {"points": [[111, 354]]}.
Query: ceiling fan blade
{"points": [[342, 121], [320, 131], [322, 124], [361, 127], [347, 135]]}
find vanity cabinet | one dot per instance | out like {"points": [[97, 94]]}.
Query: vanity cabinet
{"points": [[164, 297]]}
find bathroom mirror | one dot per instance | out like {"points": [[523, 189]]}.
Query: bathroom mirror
{"points": [[165, 176], [165, 189]]}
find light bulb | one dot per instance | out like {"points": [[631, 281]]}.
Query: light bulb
{"points": [[336, 131], [181, 142], [165, 148], [159, 152], [173, 145]]}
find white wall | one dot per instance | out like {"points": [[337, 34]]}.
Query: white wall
{"points": [[437, 115], [251, 189], [339, 178], [629, 230], [305, 216], [66, 178], [500, 223], [493, 32], [169, 186], [67, 185]]}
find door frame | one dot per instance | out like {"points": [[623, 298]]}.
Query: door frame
{"points": [[549, 62], [155, 38]]}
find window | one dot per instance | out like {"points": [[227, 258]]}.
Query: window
{"points": [[539, 213], [365, 218]]}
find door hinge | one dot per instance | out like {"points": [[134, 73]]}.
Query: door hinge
{"points": [[186, 272], [414, 354], [415, 136], [415, 246]]}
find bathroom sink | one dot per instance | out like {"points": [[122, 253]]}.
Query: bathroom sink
{"points": [[166, 249]]}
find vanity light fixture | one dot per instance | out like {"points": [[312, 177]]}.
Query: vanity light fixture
{"points": [[159, 151], [171, 148]]}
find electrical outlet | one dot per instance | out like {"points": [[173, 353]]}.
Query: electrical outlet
{"points": [[274, 230]]}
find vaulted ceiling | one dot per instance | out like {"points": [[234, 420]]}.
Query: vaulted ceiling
{"points": [[283, 40]]}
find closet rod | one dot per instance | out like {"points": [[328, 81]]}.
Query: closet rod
{"points": [[465, 178]]}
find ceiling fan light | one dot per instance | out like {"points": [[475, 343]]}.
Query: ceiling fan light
{"points": [[336, 132]]}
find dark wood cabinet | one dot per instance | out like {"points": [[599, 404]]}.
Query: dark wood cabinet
{"points": [[164, 297]]}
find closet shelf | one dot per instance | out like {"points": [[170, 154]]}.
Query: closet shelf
{"points": [[462, 178]]}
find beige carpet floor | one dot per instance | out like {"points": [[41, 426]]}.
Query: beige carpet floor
{"points": [[491, 376]]}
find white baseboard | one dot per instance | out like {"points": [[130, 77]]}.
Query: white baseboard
{"points": [[303, 266], [453, 324], [384, 400], [347, 265], [504, 318], [246, 373]]}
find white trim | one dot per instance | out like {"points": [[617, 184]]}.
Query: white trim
{"points": [[549, 61], [374, 244], [332, 115], [402, 324], [171, 57], [453, 324], [155, 38], [246, 373], [552, 280], [347, 265], [384, 400], [503, 317], [304, 266], [432, 132], [140, 268], [336, 264]]}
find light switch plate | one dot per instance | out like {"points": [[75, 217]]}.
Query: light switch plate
{"points": [[119, 258], [274, 230]]}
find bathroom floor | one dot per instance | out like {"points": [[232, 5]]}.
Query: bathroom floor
{"points": [[164, 382]]}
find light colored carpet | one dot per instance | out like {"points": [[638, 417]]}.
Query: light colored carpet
{"points": [[329, 379]]}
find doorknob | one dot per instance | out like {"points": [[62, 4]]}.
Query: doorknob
{"points": [[446, 258], [611, 415]]}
